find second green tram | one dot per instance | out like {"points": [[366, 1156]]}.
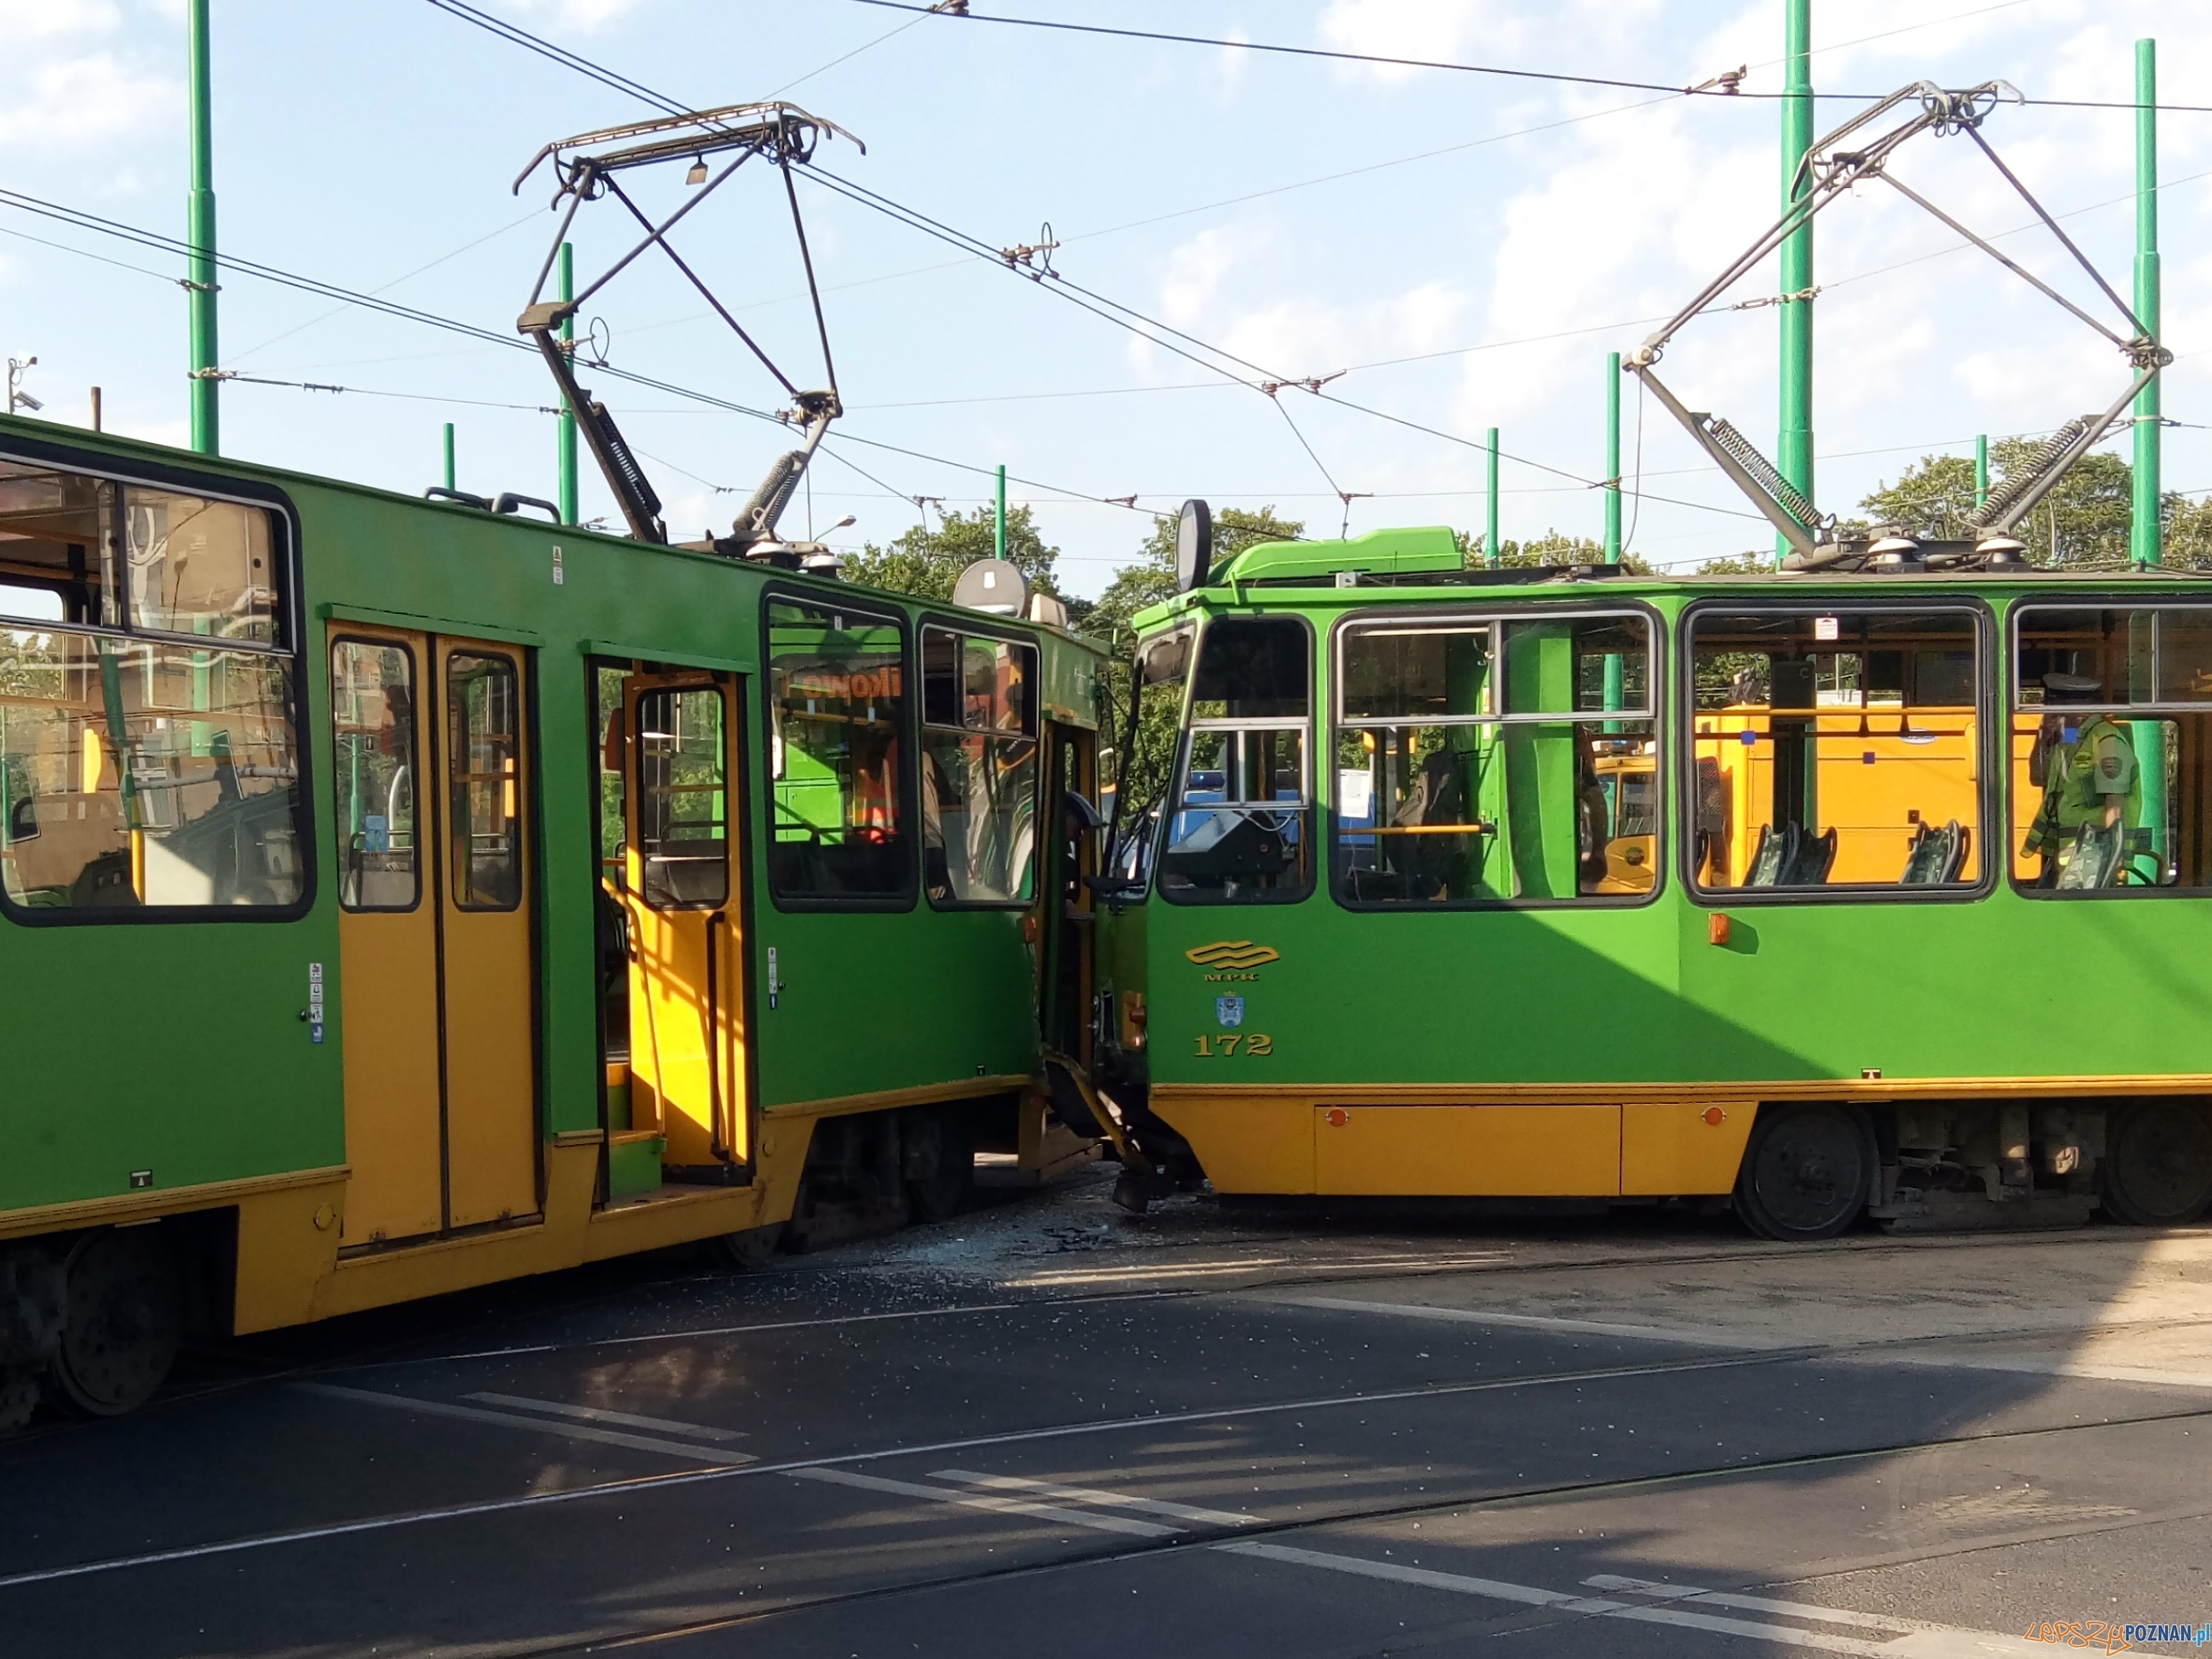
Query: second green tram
{"points": [[397, 897], [1831, 895]]}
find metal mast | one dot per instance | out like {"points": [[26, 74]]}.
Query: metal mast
{"points": [[2143, 537], [200, 280], [1793, 448]]}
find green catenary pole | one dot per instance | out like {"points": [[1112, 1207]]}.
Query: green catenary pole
{"points": [[564, 422], [2143, 537], [1980, 472], [999, 526], [1613, 458], [200, 237], [1490, 538], [450, 484], [1793, 453]]}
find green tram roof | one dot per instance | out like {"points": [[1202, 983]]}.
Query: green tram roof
{"points": [[1425, 566]]}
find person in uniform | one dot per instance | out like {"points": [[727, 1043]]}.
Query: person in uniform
{"points": [[2085, 765]]}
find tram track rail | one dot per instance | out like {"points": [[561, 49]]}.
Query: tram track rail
{"points": [[1258, 1530], [392, 1355], [656, 1484]]}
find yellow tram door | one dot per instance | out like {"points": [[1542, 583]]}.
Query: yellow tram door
{"points": [[681, 893], [436, 966]]}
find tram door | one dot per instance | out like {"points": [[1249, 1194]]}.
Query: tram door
{"points": [[681, 894], [436, 962]]}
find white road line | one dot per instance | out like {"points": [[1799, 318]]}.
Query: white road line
{"points": [[600, 1414], [937, 1494], [507, 1419], [1691, 1338], [1152, 1423], [1085, 1494], [1926, 1642], [1891, 1624]]}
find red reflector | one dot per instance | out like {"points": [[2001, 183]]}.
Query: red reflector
{"points": [[1715, 1116], [1337, 1117]]}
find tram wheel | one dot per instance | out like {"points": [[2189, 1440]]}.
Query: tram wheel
{"points": [[942, 1149], [752, 1249], [122, 1323], [1807, 1172], [2157, 1164]]}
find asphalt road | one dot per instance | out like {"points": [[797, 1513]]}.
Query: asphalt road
{"points": [[1051, 1427]]}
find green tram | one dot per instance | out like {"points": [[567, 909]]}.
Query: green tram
{"points": [[398, 896], [1880, 892]]}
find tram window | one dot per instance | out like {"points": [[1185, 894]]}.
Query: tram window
{"points": [[484, 749], [2111, 749], [141, 775], [682, 798], [607, 729], [1241, 827], [1495, 760], [57, 548], [1839, 749], [198, 566], [978, 768], [837, 711], [373, 754]]}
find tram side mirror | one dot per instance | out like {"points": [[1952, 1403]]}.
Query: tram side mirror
{"points": [[1194, 546], [1165, 660], [22, 819]]}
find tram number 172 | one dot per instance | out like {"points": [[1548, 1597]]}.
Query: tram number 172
{"points": [[1256, 1043]]}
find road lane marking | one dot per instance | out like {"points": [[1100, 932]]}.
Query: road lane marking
{"points": [[1689, 1338], [937, 1494], [1920, 1642], [1085, 1494], [1760, 1604], [1151, 1423], [507, 1419], [600, 1414]]}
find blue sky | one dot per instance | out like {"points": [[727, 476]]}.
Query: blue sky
{"points": [[1464, 249]]}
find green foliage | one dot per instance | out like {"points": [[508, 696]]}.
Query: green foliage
{"points": [[1738, 565], [926, 563], [1136, 587], [1552, 548], [2084, 521]]}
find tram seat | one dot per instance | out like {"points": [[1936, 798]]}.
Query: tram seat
{"points": [[1936, 856], [2093, 860], [1816, 857], [696, 876], [1771, 854]]}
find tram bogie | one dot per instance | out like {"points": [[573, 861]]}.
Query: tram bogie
{"points": [[1827, 895]]}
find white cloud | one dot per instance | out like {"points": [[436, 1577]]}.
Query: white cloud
{"points": [[49, 19], [78, 102], [1417, 29], [576, 14]]}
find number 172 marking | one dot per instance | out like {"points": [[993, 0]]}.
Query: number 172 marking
{"points": [[1256, 1043]]}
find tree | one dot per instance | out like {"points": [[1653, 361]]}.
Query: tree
{"points": [[2085, 519], [1138, 587], [926, 563], [1551, 548]]}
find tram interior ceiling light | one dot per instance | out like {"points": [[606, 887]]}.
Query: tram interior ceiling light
{"points": [[587, 168], [1860, 150]]}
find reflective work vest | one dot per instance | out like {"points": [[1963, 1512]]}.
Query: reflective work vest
{"points": [[2083, 776]]}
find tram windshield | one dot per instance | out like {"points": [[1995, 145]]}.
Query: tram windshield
{"points": [[1484, 761], [1836, 748], [1240, 829], [837, 711], [2111, 749]]}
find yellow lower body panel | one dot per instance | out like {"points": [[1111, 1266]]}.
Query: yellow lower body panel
{"points": [[1566, 1151], [1391, 1142], [1676, 1148]]}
